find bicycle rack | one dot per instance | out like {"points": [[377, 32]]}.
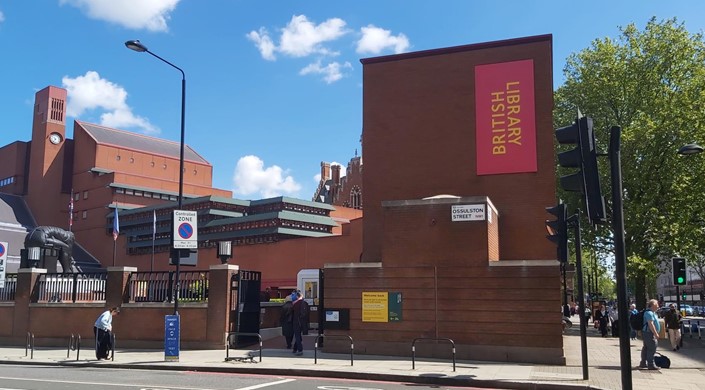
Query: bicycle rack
{"points": [[227, 347], [74, 345], [690, 328], [413, 350], [29, 344], [315, 347]]}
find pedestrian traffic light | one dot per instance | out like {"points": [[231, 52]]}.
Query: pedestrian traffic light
{"points": [[558, 230], [678, 265], [683, 296], [584, 157]]}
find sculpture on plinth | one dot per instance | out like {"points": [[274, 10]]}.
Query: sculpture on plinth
{"points": [[51, 237]]}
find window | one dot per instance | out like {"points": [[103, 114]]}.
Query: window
{"points": [[77, 196], [84, 214], [85, 194], [356, 198]]}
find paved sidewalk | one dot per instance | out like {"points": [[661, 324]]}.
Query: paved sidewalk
{"points": [[687, 365]]}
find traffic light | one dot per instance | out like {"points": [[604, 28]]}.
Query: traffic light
{"points": [[584, 157], [558, 230], [678, 264], [683, 296]]}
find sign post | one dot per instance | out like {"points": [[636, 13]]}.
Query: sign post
{"points": [[172, 328]]}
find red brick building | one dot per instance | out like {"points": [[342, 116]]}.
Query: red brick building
{"points": [[473, 122]]}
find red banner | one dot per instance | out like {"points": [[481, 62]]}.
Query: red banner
{"points": [[505, 118]]}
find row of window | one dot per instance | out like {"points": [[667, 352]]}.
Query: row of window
{"points": [[265, 239], [7, 181], [146, 194], [152, 163]]}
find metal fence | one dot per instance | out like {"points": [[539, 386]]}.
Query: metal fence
{"points": [[159, 286], [78, 287], [7, 292]]}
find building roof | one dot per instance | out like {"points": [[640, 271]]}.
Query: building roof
{"points": [[128, 140], [285, 199]]}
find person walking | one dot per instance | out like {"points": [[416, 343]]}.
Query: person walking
{"points": [[650, 332], [300, 322], [602, 320], [286, 321], [614, 320], [102, 329], [673, 325], [632, 311]]}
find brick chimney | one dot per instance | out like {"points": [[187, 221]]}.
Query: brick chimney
{"points": [[325, 171]]}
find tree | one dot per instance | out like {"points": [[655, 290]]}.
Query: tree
{"points": [[652, 84]]}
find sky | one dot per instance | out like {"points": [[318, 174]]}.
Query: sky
{"points": [[273, 88]]}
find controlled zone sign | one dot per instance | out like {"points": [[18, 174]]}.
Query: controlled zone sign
{"points": [[185, 230], [3, 263]]}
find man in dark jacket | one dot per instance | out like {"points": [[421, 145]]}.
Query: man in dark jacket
{"points": [[673, 325], [300, 321], [286, 321]]}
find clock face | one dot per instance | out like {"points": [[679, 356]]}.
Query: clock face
{"points": [[54, 138]]}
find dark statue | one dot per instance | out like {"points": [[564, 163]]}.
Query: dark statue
{"points": [[52, 237]]}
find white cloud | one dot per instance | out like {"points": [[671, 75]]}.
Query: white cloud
{"points": [[90, 91], [151, 15], [251, 177], [264, 43], [300, 38], [331, 72], [375, 39]]}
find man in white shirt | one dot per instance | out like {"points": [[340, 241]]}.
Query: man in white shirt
{"points": [[102, 329]]}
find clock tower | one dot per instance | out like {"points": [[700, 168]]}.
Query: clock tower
{"points": [[46, 196]]}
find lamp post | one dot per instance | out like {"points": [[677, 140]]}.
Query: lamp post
{"points": [[137, 46]]}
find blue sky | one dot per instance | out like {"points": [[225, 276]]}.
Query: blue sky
{"points": [[272, 87]]}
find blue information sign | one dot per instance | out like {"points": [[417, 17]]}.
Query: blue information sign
{"points": [[171, 338]]}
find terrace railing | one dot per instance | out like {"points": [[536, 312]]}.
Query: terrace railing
{"points": [[70, 288], [7, 292], [159, 286]]}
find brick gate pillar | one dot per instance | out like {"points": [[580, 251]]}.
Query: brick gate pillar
{"points": [[219, 302], [24, 295], [116, 285]]}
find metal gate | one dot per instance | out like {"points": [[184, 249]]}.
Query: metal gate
{"points": [[244, 307]]}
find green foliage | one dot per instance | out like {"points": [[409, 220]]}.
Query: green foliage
{"points": [[652, 84]]}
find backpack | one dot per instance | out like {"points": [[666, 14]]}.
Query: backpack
{"points": [[636, 321]]}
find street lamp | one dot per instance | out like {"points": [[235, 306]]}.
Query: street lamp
{"points": [[137, 46], [690, 149]]}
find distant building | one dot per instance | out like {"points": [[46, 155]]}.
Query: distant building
{"points": [[343, 191], [102, 168]]}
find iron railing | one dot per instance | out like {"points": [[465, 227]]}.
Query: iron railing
{"points": [[7, 293], [159, 286], [77, 287]]}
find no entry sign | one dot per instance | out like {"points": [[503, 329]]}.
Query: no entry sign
{"points": [[185, 230]]}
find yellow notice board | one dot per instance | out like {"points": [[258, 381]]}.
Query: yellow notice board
{"points": [[375, 306]]}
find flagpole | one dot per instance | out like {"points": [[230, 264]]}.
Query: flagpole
{"points": [[154, 236], [116, 232]]}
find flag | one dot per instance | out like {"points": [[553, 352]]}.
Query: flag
{"points": [[154, 226], [71, 211], [116, 225]]}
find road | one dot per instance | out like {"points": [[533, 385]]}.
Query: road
{"points": [[76, 378]]}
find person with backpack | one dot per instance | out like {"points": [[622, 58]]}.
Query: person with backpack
{"points": [[650, 332], [673, 325], [633, 311]]}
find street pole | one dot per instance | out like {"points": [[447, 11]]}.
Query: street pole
{"points": [[620, 256], [575, 220], [137, 46]]}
